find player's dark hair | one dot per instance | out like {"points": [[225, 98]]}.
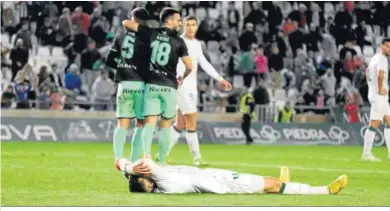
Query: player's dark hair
{"points": [[134, 185], [191, 17], [167, 13], [385, 40], [140, 13]]}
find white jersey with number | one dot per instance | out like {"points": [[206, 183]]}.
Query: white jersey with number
{"points": [[188, 91], [379, 103], [187, 179]]}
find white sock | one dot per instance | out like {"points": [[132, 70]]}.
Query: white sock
{"points": [[175, 135], [368, 141], [193, 143], [387, 138], [304, 189]]}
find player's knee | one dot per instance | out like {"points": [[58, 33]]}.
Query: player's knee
{"points": [[179, 126], [375, 123], [123, 123], [191, 121], [150, 120], [140, 123], [165, 123]]}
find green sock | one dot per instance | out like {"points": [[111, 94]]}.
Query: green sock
{"points": [[147, 138], [136, 144], [119, 142], [164, 142]]}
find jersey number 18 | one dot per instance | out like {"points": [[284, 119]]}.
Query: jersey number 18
{"points": [[160, 52]]}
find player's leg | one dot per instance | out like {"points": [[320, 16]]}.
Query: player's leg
{"points": [[275, 185], [192, 137], [136, 140], [176, 130], [168, 108], [376, 116], [152, 109], [387, 129]]}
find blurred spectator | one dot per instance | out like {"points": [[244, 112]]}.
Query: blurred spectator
{"points": [[316, 16], [313, 38], [256, 16], [56, 100], [8, 97], [56, 77], [43, 78], [25, 35], [363, 13], [81, 19], [221, 98], [261, 64], [275, 64], [19, 57], [261, 94], [329, 46], [88, 59], [232, 37], [328, 84], [275, 17], [22, 91], [64, 27], [320, 99], [51, 10], [297, 40], [234, 62], [361, 33], [47, 35], [44, 98], [102, 89], [348, 47], [73, 80], [309, 97], [281, 43], [382, 16], [289, 26], [247, 66], [288, 79], [233, 16], [349, 65], [99, 27], [117, 20], [352, 109], [286, 114], [299, 16], [343, 18], [247, 38]]}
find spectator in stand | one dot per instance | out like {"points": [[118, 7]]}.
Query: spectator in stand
{"points": [[8, 98], [289, 26], [329, 47], [88, 59], [352, 109], [281, 43], [232, 37], [56, 100], [233, 16], [64, 28], [261, 64], [19, 57], [116, 23], [349, 65], [80, 40], [343, 18], [348, 47], [314, 38], [47, 35], [45, 98], [73, 80], [320, 99], [99, 27], [275, 65], [330, 27], [248, 66], [286, 114], [22, 89], [81, 19], [234, 62], [328, 83], [315, 16], [309, 97], [382, 16], [363, 12], [360, 33], [24, 34], [51, 10], [56, 78], [299, 16], [256, 16], [275, 17], [297, 40], [43, 78], [102, 89], [247, 38]]}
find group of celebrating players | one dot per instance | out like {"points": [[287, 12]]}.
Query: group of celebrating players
{"points": [[157, 75]]}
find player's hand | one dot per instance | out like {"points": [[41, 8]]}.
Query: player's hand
{"points": [[179, 80], [227, 85], [383, 92], [141, 168]]}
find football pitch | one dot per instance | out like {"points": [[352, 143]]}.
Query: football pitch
{"points": [[83, 174]]}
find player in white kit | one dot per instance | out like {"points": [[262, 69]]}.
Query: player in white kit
{"points": [[188, 179], [377, 80], [187, 98]]}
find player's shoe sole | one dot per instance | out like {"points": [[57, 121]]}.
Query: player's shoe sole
{"points": [[371, 158], [339, 184], [284, 174]]}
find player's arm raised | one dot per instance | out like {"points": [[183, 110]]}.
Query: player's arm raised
{"points": [[131, 25], [210, 70]]}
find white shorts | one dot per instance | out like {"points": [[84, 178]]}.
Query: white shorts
{"points": [[379, 108], [187, 102]]}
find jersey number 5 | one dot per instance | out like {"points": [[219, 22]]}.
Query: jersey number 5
{"points": [[128, 47], [160, 52]]}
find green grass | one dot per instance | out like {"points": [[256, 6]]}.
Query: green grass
{"points": [[83, 174]]}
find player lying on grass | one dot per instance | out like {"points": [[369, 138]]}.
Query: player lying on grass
{"points": [[147, 176]]}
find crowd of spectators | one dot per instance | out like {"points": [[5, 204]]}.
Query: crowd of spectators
{"points": [[307, 53]]}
